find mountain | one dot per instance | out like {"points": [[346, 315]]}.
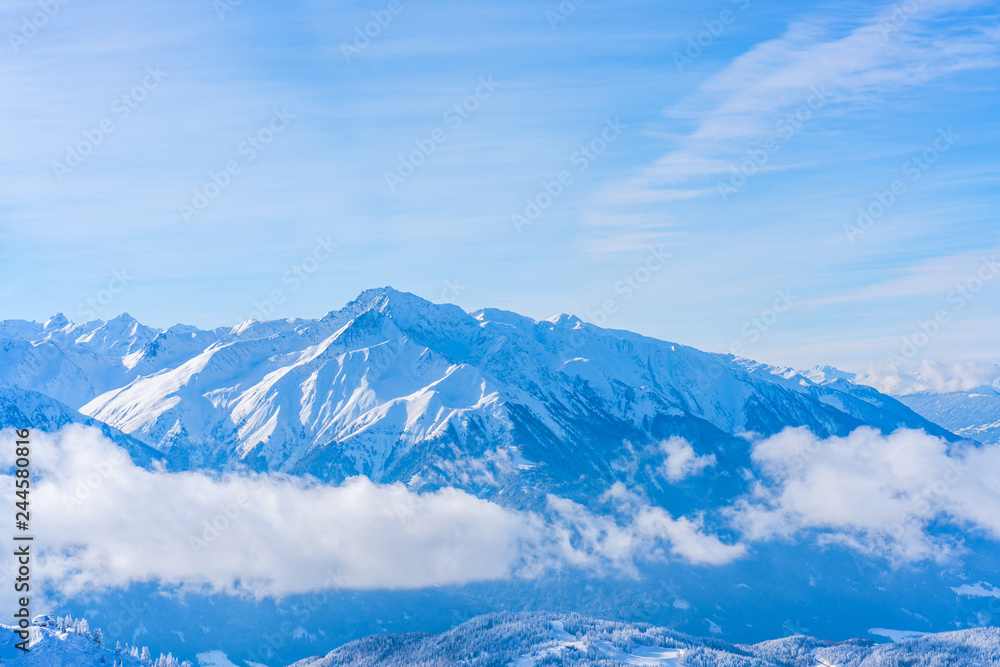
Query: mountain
{"points": [[23, 408], [540, 638], [402, 389], [529, 414], [972, 412], [69, 362], [77, 646], [527, 639]]}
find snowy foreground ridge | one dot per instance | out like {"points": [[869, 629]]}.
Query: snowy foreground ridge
{"points": [[528, 639]]}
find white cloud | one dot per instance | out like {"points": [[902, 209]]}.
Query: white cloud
{"points": [[876, 493], [102, 521], [958, 278], [681, 460], [595, 541], [981, 590], [932, 376]]}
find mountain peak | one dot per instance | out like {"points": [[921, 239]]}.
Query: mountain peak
{"points": [[403, 307], [57, 321], [565, 318], [382, 297], [823, 374]]}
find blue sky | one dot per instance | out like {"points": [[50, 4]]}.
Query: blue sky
{"points": [[826, 108]]}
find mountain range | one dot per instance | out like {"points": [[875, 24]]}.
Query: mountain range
{"points": [[512, 410], [972, 411], [401, 389], [528, 639]]}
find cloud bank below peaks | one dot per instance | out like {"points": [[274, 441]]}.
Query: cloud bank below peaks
{"points": [[102, 521], [932, 376], [105, 522], [878, 494]]}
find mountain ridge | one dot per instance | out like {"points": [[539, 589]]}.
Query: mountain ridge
{"points": [[401, 389], [530, 638], [970, 409], [558, 417]]}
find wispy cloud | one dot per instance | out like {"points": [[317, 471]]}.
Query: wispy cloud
{"points": [[816, 67], [886, 84], [934, 277]]}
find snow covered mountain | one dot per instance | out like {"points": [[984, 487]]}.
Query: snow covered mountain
{"points": [[74, 645], [527, 639], [21, 408], [69, 362], [401, 389], [539, 638], [508, 409], [971, 412]]}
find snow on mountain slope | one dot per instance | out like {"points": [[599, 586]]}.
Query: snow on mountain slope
{"points": [[49, 647], [22, 408], [398, 388], [70, 362], [170, 347], [118, 337], [955, 403], [974, 414], [528, 639], [537, 638]]}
